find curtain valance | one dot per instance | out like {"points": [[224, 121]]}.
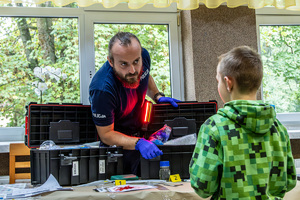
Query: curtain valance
{"points": [[181, 4]]}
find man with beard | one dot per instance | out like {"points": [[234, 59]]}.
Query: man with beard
{"points": [[117, 93]]}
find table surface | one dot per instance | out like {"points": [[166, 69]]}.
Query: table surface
{"points": [[183, 192]]}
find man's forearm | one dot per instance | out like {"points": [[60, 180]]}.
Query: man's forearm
{"points": [[118, 139], [152, 88]]}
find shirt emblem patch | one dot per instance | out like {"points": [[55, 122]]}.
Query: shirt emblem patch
{"points": [[99, 116]]}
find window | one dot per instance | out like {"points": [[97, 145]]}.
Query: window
{"points": [[279, 45], [33, 72], [39, 63], [45, 4], [144, 24], [280, 51]]}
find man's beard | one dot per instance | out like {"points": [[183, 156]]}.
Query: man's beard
{"points": [[128, 81]]}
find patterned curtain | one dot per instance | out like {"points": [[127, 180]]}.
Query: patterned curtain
{"points": [[181, 4]]}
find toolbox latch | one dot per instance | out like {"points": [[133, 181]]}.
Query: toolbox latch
{"points": [[66, 160], [113, 157]]}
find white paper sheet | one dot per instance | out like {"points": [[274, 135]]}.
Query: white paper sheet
{"points": [[8, 189], [50, 185], [126, 188]]}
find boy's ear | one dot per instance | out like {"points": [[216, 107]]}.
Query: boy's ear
{"points": [[229, 82], [110, 62]]}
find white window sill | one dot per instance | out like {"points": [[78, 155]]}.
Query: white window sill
{"points": [[4, 146], [292, 123]]}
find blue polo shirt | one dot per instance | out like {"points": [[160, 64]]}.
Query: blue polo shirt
{"points": [[113, 103]]}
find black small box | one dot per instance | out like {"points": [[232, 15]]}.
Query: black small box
{"points": [[75, 166]]}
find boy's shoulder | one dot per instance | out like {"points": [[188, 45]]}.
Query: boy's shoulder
{"points": [[279, 126], [217, 125], [218, 120]]}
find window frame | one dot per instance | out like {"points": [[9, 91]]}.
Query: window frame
{"points": [[119, 14], [139, 18], [273, 16], [59, 12]]}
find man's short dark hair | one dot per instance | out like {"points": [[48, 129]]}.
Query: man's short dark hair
{"points": [[245, 66], [125, 40]]}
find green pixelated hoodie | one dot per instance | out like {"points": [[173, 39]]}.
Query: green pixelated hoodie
{"points": [[243, 152]]}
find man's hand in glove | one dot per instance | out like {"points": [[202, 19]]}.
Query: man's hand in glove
{"points": [[168, 100], [147, 149]]}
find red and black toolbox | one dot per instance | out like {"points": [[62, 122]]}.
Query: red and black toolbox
{"points": [[72, 124], [68, 124], [184, 120]]}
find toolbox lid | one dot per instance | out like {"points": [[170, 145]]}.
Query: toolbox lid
{"points": [[62, 123], [187, 118]]}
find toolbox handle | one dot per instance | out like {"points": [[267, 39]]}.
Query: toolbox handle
{"points": [[113, 157], [66, 160]]}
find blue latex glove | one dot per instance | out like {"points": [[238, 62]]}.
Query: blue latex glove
{"points": [[148, 149], [170, 100]]}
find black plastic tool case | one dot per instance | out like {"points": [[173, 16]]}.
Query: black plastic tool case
{"points": [[76, 166], [165, 113], [72, 124], [68, 124], [186, 119]]}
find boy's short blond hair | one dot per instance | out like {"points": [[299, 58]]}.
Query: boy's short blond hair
{"points": [[245, 66]]}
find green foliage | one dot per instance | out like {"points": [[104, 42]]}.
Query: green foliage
{"points": [[280, 50], [16, 80], [17, 77]]}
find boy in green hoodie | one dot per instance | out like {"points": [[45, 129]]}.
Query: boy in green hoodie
{"points": [[243, 152]]}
